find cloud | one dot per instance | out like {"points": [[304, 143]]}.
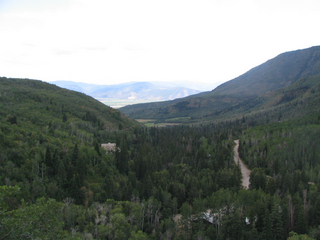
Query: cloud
{"points": [[143, 40]]}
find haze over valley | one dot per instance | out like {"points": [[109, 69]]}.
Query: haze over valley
{"points": [[120, 95], [175, 120]]}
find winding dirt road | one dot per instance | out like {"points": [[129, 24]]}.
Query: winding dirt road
{"points": [[245, 176], [244, 170]]}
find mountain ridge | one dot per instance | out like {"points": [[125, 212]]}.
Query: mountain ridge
{"points": [[245, 92], [130, 91], [287, 67]]}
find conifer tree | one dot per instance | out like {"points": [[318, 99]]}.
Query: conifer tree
{"points": [[316, 213], [300, 221], [266, 230], [75, 191], [122, 157], [231, 226], [62, 175], [96, 147], [81, 169], [49, 162], [108, 186], [276, 222], [74, 156]]}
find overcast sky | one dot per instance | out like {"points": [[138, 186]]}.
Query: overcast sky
{"points": [[108, 42]]}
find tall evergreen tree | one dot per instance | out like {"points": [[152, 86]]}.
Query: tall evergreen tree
{"points": [[300, 220], [232, 227], [75, 191], [62, 175], [74, 156], [276, 222], [267, 225], [122, 157], [49, 162], [108, 186], [316, 213]]}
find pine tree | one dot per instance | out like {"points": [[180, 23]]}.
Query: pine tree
{"points": [[266, 230], [49, 162], [316, 213], [261, 215], [276, 222], [74, 157], [231, 226], [96, 148], [62, 175], [236, 228], [147, 186], [108, 186], [271, 186], [75, 191], [300, 221], [64, 117], [122, 157], [81, 169]]}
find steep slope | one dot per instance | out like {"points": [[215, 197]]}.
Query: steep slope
{"points": [[239, 95], [281, 71]]}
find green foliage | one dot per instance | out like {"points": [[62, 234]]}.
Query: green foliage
{"points": [[161, 183], [40, 220], [295, 236], [8, 198]]}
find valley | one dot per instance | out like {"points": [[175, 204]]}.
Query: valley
{"points": [[119, 103], [238, 162], [120, 95], [265, 90]]}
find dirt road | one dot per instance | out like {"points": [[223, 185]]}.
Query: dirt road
{"points": [[244, 170]]}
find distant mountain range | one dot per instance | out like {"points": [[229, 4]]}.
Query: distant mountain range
{"points": [[146, 91], [272, 88]]}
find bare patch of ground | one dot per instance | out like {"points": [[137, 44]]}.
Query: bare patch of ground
{"points": [[244, 169]]}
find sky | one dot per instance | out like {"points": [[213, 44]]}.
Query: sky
{"points": [[116, 41]]}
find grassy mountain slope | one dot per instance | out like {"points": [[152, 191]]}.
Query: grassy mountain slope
{"points": [[279, 72], [241, 95]]}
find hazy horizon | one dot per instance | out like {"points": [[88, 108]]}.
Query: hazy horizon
{"points": [[112, 42]]}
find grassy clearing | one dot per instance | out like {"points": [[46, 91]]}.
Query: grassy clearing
{"points": [[178, 120], [145, 120], [118, 103], [154, 123]]}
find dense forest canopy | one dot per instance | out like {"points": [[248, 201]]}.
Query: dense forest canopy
{"points": [[179, 182]]}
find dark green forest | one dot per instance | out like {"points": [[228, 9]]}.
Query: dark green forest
{"points": [[181, 182]]}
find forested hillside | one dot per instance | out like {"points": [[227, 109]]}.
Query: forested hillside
{"points": [[56, 179], [284, 158], [181, 182], [50, 149]]}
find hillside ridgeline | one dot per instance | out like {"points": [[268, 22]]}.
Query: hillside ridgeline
{"points": [[262, 90]]}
